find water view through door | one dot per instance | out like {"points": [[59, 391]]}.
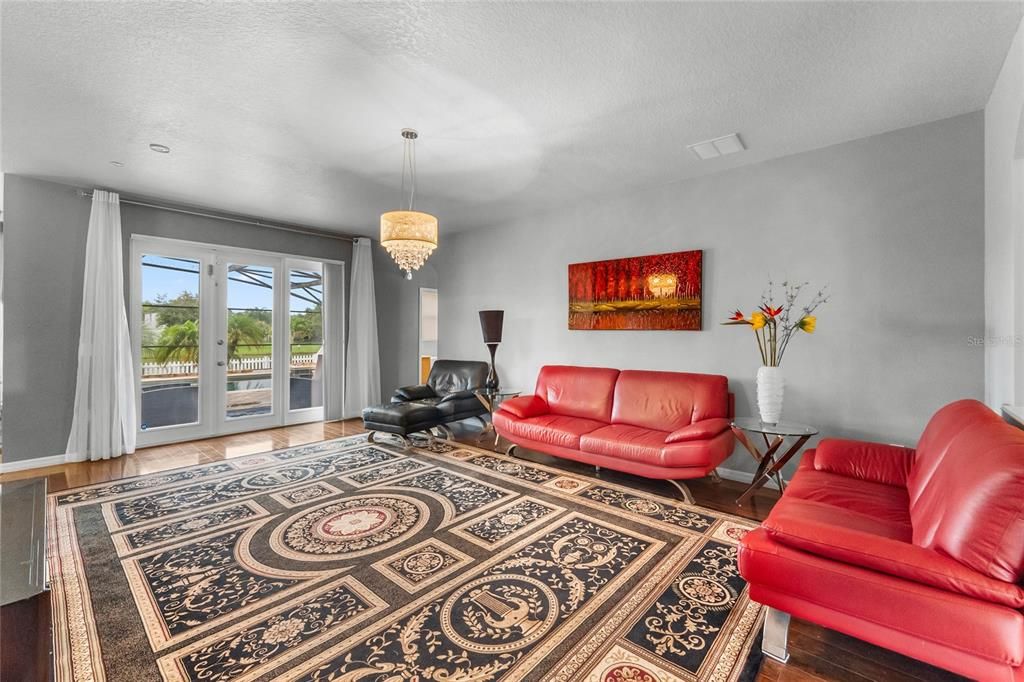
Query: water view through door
{"points": [[226, 341]]}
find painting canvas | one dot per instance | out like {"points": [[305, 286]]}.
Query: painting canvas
{"points": [[645, 292]]}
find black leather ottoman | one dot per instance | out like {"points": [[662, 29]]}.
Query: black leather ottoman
{"points": [[401, 419]]}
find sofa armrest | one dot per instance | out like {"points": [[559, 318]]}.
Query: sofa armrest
{"points": [[699, 430], [524, 406], [877, 462], [459, 395], [810, 527], [407, 393]]}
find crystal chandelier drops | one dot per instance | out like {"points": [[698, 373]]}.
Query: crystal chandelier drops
{"points": [[408, 236]]}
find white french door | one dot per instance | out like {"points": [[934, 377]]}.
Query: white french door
{"points": [[225, 340]]}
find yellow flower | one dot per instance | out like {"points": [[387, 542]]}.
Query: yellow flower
{"points": [[758, 320], [807, 324]]}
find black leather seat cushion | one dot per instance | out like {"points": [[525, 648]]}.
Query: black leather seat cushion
{"points": [[403, 414], [461, 408]]}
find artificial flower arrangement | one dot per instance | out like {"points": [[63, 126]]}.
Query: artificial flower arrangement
{"points": [[774, 326]]}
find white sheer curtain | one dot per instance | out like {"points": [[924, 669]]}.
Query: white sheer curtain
{"points": [[104, 418], [362, 367], [334, 341]]}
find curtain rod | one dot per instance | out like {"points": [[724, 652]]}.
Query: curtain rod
{"points": [[243, 221]]}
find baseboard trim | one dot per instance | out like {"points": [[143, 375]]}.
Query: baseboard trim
{"points": [[741, 476], [37, 463]]}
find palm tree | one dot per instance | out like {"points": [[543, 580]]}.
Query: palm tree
{"points": [[180, 342], [244, 330]]}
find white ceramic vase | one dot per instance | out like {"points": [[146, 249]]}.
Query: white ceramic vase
{"points": [[770, 387]]}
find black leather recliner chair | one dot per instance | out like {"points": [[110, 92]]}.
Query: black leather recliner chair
{"points": [[448, 396]]}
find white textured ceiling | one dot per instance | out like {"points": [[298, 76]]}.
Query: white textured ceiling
{"points": [[292, 111]]}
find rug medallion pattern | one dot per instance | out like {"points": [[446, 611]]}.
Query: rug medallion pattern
{"points": [[345, 561]]}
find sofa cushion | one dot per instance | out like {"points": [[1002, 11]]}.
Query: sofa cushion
{"points": [[647, 446], [667, 401], [700, 430], [460, 407], [972, 506], [584, 392], [855, 539], [885, 503], [555, 429], [628, 442], [877, 462]]}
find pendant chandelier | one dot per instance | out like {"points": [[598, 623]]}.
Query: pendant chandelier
{"points": [[409, 236]]}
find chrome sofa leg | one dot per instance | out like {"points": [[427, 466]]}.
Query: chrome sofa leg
{"points": [[715, 477], [483, 422], [776, 632], [448, 433], [684, 490], [511, 452], [371, 436], [406, 443]]}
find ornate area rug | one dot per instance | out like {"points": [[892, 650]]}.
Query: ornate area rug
{"points": [[352, 562]]}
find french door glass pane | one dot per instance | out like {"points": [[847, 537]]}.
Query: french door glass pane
{"points": [[250, 350], [170, 341], [306, 324]]}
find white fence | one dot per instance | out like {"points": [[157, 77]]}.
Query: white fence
{"points": [[247, 364]]}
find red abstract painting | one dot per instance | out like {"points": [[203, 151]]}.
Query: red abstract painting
{"points": [[646, 292]]}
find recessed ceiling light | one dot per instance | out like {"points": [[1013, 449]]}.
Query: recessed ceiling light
{"points": [[117, 163], [720, 146], [160, 148]]}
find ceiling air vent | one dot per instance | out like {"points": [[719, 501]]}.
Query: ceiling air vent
{"points": [[720, 146]]}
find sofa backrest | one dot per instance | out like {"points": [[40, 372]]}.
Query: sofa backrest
{"points": [[666, 401], [578, 391], [966, 489], [449, 376]]}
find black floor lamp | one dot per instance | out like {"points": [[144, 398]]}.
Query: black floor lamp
{"points": [[490, 323]]}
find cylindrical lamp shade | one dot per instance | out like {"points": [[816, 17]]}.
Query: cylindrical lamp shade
{"points": [[409, 237], [490, 324]]}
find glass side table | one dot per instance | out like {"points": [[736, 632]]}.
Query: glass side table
{"points": [[491, 398], [769, 466]]}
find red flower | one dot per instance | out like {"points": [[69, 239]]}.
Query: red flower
{"points": [[770, 311], [738, 315]]}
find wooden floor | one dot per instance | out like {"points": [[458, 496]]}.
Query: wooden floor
{"points": [[816, 654]]}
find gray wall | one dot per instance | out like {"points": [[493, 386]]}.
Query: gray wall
{"points": [[894, 223], [44, 255], [45, 226], [1004, 232], [398, 311]]}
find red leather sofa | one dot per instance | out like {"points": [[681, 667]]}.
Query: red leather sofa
{"points": [[916, 550], [663, 425]]}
